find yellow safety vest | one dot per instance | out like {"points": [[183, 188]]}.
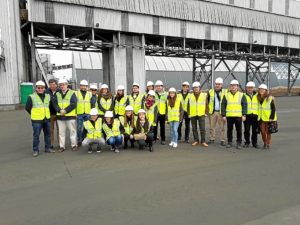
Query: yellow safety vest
{"points": [[93, 132], [83, 105], [150, 114], [143, 131], [106, 104], [40, 110], [120, 106], [197, 107], [184, 102], [234, 104], [174, 113], [161, 100], [252, 104], [115, 131], [264, 110], [211, 103], [128, 128], [63, 103], [136, 103]]}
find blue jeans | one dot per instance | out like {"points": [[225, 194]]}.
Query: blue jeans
{"points": [[37, 128], [174, 131], [80, 120], [115, 141]]}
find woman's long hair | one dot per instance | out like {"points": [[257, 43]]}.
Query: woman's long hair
{"points": [[139, 126], [172, 101], [261, 98], [131, 121]]}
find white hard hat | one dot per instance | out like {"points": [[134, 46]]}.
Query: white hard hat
{"points": [[108, 114], [120, 87], [94, 112], [93, 86], [84, 82], [141, 111], [104, 86], [219, 80], [63, 81], [129, 108], [172, 90], [185, 83], [263, 86], [151, 92], [159, 83], [250, 84], [150, 83], [40, 83], [234, 82], [196, 84], [136, 84]]}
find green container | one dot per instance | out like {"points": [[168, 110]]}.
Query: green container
{"points": [[26, 90]]}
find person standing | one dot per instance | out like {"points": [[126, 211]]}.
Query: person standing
{"points": [[252, 116], [120, 102], [174, 115], [136, 98], [84, 105], [234, 110], [93, 90], [37, 106], [266, 114], [197, 109], [53, 120], [93, 130], [215, 97], [127, 122], [149, 87], [183, 95], [105, 100], [161, 100], [150, 107], [65, 103]]}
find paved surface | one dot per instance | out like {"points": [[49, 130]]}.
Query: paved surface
{"points": [[187, 186]]}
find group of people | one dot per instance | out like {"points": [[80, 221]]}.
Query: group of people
{"points": [[97, 117]]}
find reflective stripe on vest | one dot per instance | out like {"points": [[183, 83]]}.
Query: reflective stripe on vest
{"points": [[174, 112], [120, 106], [83, 105], [211, 103], [234, 104], [115, 131], [106, 104], [40, 109], [197, 107], [63, 103], [93, 132], [252, 104], [161, 101], [264, 110], [136, 103]]}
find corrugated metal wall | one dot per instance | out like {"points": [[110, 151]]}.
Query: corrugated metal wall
{"points": [[11, 36]]}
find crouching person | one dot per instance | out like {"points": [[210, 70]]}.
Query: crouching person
{"points": [[143, 131], [93, 128], [112, 130]]}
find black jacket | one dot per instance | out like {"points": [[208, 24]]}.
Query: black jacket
{"points": [[52, 96]]}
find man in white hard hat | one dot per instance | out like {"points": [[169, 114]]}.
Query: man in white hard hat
{"points": [[252, 116], [234, 110], [65, 103], [93, 129], [37, 106], [183, 94], [93, 90], [215, 96], [84, 105], [197, 108], [161, 101], [136, 98], [121, 100]]}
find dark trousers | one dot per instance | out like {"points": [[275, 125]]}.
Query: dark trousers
{"points": [[161, 120], [37, 128], [251, 122], [201, 120], [149, 140], [187, 122], [126, 139], [237, 121]]}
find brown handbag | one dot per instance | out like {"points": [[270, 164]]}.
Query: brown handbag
{"points": [[140, 136]]}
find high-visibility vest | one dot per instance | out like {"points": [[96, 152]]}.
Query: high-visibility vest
{"points": [[252, 104], [83, 104], [197, 107], [143, 130], [136, 103], [112, 132], [63, 103], [40, 109], [264, 110], [161, 100], [150, 114], [211, 103], [184, 101], [93, 132], [234, 104], [106, 104], [120, 106], [128, 128], [174, 112]]}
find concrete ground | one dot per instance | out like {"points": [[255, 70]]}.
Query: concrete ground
{"points": [[186, 186]]}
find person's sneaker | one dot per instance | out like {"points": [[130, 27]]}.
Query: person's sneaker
{"points": [[211, 141], [246, 146], [163, 142], [61, 149], [171, 144], [239, 146], [35, 154], [74, 148], [112, 148], [204, 144], [117, 150], [50, 151], [98, 150], [90, 151], [229, 145], [175, 145], [195, 143], [223, 143]]}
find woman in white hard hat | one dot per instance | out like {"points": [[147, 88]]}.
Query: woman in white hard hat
{"points": [[105, 100], [120, 102], [149, 86], [174, 115], [127, 122], [150, 107], [93, 130], [136, 98], [143, 131], [266, 114], [112, 130]]}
